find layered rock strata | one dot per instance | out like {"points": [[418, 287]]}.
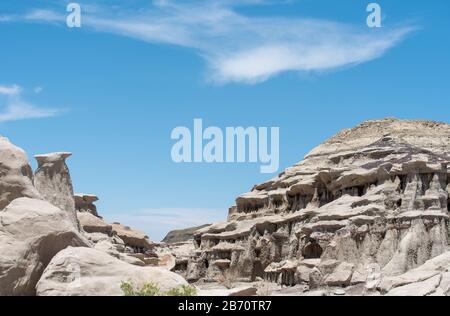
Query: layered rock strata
{"points": [[374, 195]]}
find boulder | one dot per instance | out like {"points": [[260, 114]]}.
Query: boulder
{"points": [[52, 180], [416, 278], [16, 176], [92, 224], [341, 276], [85, 203], [90, 272], [31, 232], [135, 239], [423, 288]]}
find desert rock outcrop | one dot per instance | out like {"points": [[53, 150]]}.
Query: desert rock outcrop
{"points": [[376, 194], [136, 241], [16, 175], [86, 271], [93, 224], [85, 203], [52, 180], [31, 233]]}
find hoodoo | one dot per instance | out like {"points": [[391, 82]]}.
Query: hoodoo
{"points": [[371, 198]]}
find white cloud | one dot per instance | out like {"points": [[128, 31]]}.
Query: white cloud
{"points": [[238, 47], [44, 16], [16, 111], [158, 222], [14, 108], [10, 90]]}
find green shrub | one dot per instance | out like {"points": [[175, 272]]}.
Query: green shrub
{"points": [[151, 289], [184, 290]]}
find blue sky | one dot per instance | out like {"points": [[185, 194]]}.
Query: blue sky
{"points": [[112, 91]]}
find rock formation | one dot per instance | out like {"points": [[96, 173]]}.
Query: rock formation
{"points": [[52, 180], [365, 213], [431, 278], [85, 203], [176, 255], [16, 176], [135, 241], [39, 226], [31, 233], [90, 272], [92, 224], [182, 235], [374, 195], [106, 239]]}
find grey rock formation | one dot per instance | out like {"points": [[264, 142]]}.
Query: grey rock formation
{"points": [[16, 176], [103, 237], [90, 272], [93, 224], [376, 194], [52, 180], [136, 241], [85, 203], [182, 235], [430, 279], [31, 233], [38, 222], [177, 254]]}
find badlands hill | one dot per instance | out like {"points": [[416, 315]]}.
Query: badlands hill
{"points": [[369, 206]]}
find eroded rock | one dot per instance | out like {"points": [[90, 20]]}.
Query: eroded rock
{"points": [[376, 194], [31, 233], [90, 272], [85, 203], [16, 176], [52, 180]]}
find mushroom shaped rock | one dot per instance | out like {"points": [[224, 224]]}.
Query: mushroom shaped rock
{"points": [[52, 180], [16, 175], [85, 203], [32, 232], [90, 272]]}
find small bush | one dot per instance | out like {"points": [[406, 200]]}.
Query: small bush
{"points": [[184, 290], [151, 289]]}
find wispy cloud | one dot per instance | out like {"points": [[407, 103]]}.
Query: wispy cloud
{"points": [[10, 90], [239, 47], [13, 107], [158, 222]]}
